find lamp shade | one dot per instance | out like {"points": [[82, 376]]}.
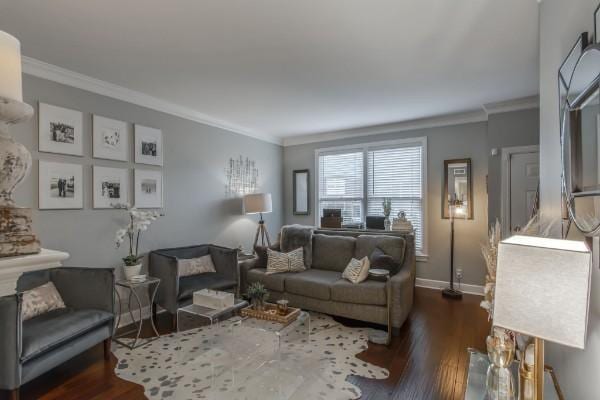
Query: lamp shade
{"points": [[11, 86], [542, 288], [258, 203]]}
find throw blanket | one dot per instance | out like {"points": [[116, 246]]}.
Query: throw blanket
{"points": [[295, 236]]}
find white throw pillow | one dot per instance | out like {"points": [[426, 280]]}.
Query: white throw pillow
{"points": [[285, 262], [40, 300], [357, 271], [195, 266]]}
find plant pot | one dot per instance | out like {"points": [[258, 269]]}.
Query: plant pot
{"points": [[132, 270]]}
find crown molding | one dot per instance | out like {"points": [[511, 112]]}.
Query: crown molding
{"points": [[54, 73], [524, 103], [422, 123]]}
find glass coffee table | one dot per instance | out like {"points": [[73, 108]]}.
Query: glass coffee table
{"points": [[209, 313]]}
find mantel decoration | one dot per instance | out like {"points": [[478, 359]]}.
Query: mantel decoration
{"points": [[242, 176], [139, 221], [387, 210], [16, 236]]}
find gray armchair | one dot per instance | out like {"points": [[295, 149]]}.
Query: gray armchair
{"points": [[174, 291], [33, 347]]}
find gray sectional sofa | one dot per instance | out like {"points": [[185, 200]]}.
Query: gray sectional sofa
{"points": [[321, 287]]}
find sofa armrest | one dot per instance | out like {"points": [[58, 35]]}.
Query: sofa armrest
{"points": [[403, 288], [10, 342], [85, 288], [225, 261], [164, 267]]}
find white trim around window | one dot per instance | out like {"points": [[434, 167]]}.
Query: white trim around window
{"points": [[365, 147]]}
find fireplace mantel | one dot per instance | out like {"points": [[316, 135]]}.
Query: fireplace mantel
{"points": [[11, 268]]}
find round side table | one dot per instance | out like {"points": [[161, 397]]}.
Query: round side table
{"points": [[379, 337]]}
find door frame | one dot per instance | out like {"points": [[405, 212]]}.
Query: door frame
{"points": [[507, 153]]}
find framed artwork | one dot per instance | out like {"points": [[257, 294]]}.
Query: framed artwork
{"points": [[458, 189], [60, 185], [148, 145], [111, 139], [60, 130], [597, 24], [148, 188], [301, 192], [111, 187]]}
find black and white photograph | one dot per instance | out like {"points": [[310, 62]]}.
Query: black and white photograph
{"points": [[148, 145], [60, 130], [111, 139], [111, 186], [148, 188], [60, 185]]}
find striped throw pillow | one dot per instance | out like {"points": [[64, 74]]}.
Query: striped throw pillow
{"points": [[357, 270], [285, 262]]}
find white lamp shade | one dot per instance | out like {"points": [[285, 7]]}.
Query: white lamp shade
{"points": [[258, 203], [11, 86], [542, 288]]}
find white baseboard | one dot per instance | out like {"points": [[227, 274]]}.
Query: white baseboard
{"points": [[465, 288]]}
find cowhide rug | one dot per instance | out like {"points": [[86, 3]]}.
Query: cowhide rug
{"points": [[212, 363]]}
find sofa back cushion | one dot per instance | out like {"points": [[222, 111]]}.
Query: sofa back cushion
{"points": [[393, 246], [332, 253]]}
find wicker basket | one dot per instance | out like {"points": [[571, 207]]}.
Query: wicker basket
{"points": [[270, 313]]}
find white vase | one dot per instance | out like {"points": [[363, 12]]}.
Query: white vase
{"points": [[132, 270]]}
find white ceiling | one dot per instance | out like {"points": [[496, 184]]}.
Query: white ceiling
{"points": [[285, 68]]}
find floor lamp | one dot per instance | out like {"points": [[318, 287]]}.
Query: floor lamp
{"points": [[455, 208], [259, 203]]}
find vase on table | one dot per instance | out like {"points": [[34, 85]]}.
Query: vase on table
{"points": [[500, 384], [132, 270]]}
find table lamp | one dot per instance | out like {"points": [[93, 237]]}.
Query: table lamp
{"points": [[542, 290], [259, 203]]}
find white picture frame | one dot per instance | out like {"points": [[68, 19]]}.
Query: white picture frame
{"points": [[148, 145], [148, 188], [60, 130], [111, 187], [110, 139], [60, 186]]}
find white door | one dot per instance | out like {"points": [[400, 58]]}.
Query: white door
{"points": [[524, 180]]}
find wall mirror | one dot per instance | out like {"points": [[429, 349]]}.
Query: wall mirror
{"points": [[457, 189], [301, 192], [579, 94]]}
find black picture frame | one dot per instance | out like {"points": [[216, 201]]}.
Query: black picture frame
{"points": [[596, 25], [301, 174], [469, 170]]}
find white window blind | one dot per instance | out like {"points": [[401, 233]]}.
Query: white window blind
{"points": [[341, 178], [396, 173]]}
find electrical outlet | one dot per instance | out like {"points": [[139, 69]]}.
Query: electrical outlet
{"points": [[459, 273]]}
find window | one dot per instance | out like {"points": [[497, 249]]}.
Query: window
{"points": [[356, 179]]}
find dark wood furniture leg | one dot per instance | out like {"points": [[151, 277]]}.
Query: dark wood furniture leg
{"points": [[13, 394], [107, 349], [174, 322]]}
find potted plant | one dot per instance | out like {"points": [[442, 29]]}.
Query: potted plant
{"points": [[258, 295], [139, 221]]}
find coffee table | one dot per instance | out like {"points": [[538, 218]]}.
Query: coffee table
{"points": [[209, 313]]}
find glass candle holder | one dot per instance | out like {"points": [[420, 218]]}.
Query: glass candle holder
{"points": [[282, 307]]}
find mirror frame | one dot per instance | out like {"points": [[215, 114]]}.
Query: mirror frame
{"points": [[295, 193], [445, 209]]}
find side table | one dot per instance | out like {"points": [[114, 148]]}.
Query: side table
{"points": [[150, 287], [377, 337]]}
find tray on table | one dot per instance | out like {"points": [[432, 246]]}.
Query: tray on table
{"points": [[270, 313]]}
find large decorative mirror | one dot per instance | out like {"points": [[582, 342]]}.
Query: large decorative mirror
{"points": [[301, 192], [579, 94], [457, 189]]}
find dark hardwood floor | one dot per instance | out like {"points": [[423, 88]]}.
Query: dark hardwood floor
{"points": [[427, 361]]}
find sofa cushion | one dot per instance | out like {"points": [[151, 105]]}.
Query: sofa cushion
{"points": [[209, 280], [273, 282], [314, 283], [296, 236], [380, 260], [332, 253], [52, 329], [391, 245], [367, 292]]}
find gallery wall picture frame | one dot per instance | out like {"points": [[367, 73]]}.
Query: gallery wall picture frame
{"points": [[301, 191], [60, 185], [148, 188], [60, 130], [148, 145], [110, 139], [111, 186]]}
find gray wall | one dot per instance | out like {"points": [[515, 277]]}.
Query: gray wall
{"points": [[560, 24], [195, 156], [459, 141], [518, 128]]}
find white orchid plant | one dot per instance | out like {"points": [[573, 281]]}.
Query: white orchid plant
{"points": [[139, 221]]}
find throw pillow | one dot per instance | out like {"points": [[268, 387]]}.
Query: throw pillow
{"points": [[285, 262], [381, 260], [357, 271], [195, 266], [40, 300]]}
